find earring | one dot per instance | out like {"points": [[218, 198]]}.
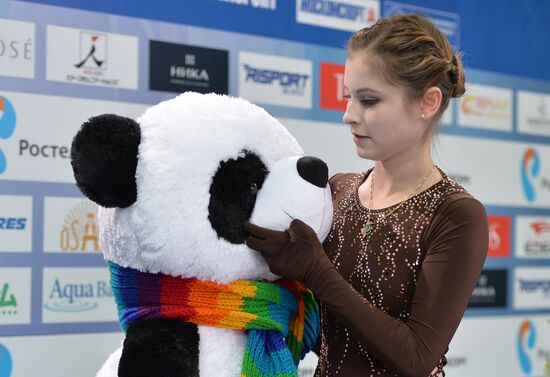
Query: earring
{"points": [[423, 116]]}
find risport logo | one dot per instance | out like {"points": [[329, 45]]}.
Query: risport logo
{"points": [[527, 338], [7, 127], [6, 364], [79, 232], [530, 169]]}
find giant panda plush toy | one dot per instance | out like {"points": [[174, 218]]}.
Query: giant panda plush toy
{"points": [[174, 188]]}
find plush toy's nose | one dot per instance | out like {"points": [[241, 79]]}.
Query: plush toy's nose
{"points": [[313, 170]]}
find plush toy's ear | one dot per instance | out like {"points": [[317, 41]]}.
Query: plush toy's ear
{"points": [[104, 160]]}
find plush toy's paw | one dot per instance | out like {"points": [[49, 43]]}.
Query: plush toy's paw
{"points": [[110, 368]]}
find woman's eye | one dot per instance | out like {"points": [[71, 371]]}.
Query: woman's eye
{"points": [[369, 102], [347, 97]]}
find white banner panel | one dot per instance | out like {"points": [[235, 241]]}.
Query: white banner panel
{"points": [[273, 80], [533, 113], [523, 347], [72, 294], [486, 107], [39, 148], [17, 46], [15, 223], [532, 237], [15, 296], [532, 288], [348, 15], [70, 226], [91, 57], [57, 355]]}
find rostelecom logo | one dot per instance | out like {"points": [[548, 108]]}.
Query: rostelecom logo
{"points": [[5, 361], [530, 169], [7, 127], [527, 338]]}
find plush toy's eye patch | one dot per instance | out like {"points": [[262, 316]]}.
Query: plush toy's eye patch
{"points": [[233, 195]]}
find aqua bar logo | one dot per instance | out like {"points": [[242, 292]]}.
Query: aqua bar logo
{"points": [[6, 364], [530, 169], [527, 338], [77, 297], [7, 127]]}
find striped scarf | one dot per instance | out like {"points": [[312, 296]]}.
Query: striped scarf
{"points": [[281, 318]]}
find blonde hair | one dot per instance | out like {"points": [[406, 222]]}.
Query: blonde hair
{"points": [[411, 51]]}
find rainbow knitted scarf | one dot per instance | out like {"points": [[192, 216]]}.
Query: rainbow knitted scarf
{"points": [[281, 318]]}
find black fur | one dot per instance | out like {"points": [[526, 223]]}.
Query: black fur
{"points": [[160, 348], [104, 160], [233, 195], [313, 170]]}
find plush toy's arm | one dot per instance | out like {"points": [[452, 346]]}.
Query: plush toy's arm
{"points": [[160, 347]]}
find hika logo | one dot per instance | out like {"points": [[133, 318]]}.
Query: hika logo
{"points": [[79, 231], [73, 297], [291, 83], [530, 169], [6, 364], [7, 126], [527, 339]]}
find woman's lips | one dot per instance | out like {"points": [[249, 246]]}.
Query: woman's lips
{"points": [[357, 138]]}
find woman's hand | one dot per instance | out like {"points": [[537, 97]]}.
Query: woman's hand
{"points": [[295, 253]]}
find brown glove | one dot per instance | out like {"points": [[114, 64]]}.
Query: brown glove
{"points": [[295, 253]]}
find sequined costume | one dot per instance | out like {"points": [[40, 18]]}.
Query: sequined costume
{"points": [[415, 271]]}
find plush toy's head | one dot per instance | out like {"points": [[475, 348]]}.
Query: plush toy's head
{"points": [[175, 186]]}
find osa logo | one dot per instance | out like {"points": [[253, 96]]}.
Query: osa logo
{"points": [[530, 169], [7, 126], [527, 338], [5, 361]]}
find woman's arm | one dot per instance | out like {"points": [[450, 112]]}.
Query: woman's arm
{"points": [[456, 249]]}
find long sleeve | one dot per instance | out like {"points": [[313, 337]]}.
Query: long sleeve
{"points": [[456, 245]]}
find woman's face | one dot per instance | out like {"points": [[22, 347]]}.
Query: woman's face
{"points": [[384, 123]]}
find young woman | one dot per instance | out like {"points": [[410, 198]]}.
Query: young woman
{"points": [[407, 243]]}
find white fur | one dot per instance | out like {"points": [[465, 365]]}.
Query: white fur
{"points": [[167, 230]]}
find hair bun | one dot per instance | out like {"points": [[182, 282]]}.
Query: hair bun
{"points": [[456, 76]]}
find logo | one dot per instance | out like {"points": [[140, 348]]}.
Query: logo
{"points": [[499, 236], [7, 127], [16, 48], [6, 364], [348, 15], [91, 57], [80, 231], [533, 237], [275, 80], [262, 4], [486, 107], [179, 68], [8, 302], [527, 338], [332, 87], [530, 169], [532, 288], [76, 297], [490, 290], [541, 119]]}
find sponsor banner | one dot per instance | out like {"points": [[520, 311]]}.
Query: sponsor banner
{"points": [[56, 355], [38, 132], [15, 223], [523, 347], [17, 46], [499, 236], [180, 68], [332, 87], [490, 290], [70, 226], [91, 57], [532, 237], [487, 107], [532, 288], [502, 173], [15, 296], [447, 22], [533, 113], [74, 294], [273, 80], [348, 15]]}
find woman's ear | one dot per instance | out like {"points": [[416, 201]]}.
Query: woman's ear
{"points": [[430, 103], [104, 160]]}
